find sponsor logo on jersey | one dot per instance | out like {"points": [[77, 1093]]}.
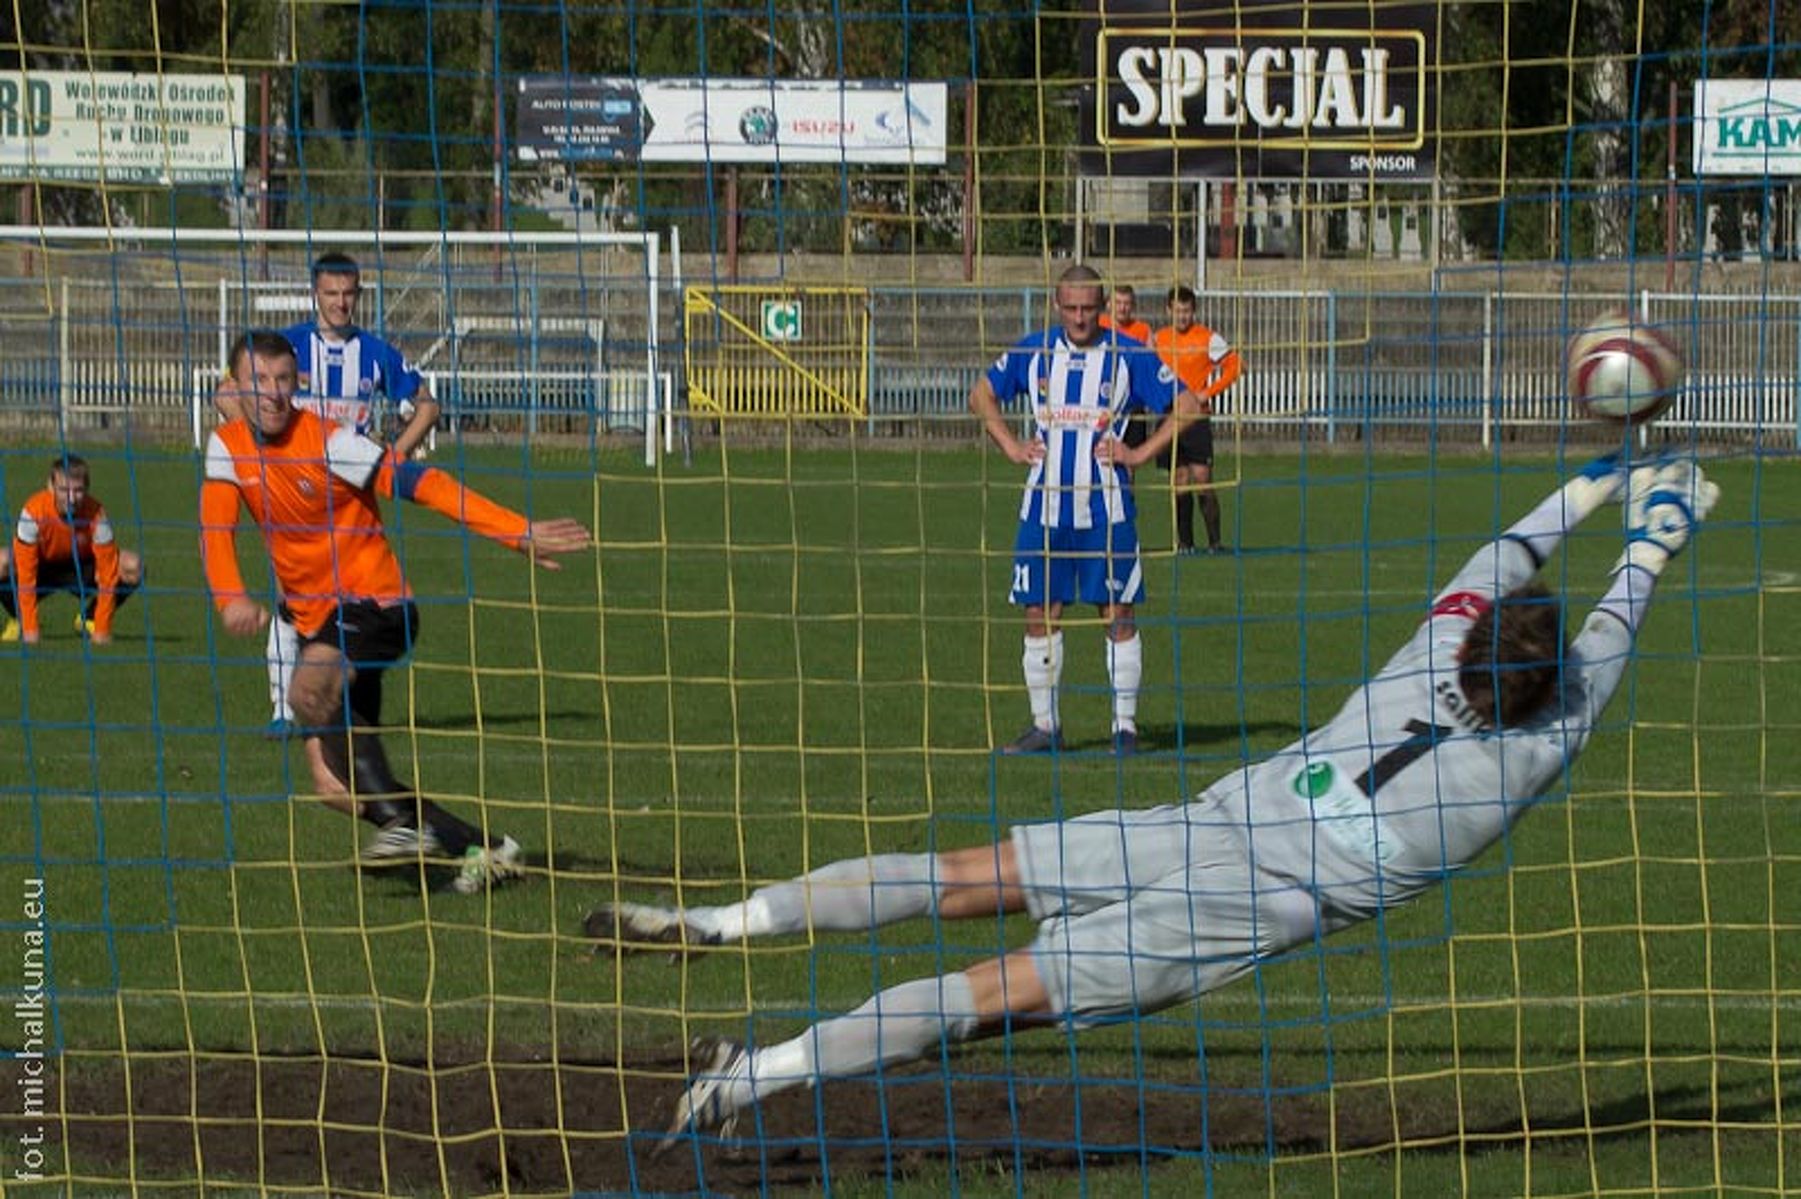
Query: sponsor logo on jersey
{"points": [[1314, 781], [306, 488], [1074, 416]]}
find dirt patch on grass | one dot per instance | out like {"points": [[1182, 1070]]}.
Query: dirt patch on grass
{"points": [[345, 1125]]}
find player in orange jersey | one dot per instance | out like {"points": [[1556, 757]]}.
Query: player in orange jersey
{"points": [[1206, 364], [1122, 317], [1122, 314], [313, 489], [64, 542]]}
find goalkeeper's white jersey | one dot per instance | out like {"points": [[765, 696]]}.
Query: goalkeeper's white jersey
{"points": [[1404, 784]]}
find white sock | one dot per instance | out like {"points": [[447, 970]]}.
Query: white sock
{"points": [[846, 896], [902, 1024], [282, 652], [1125, 668], [1043, 663]]}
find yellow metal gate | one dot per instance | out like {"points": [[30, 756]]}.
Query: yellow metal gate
{"points": [[778, 351]]}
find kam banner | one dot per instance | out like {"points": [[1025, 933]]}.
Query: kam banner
{"points": [[1747, 127], [569, 119], [116, 127]]}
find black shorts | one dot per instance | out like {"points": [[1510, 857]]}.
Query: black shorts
{"points": [[61, 575], [1192, 447], [374, 637]]}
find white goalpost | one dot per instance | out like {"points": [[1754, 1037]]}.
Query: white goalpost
{"points": [[573, 320]]}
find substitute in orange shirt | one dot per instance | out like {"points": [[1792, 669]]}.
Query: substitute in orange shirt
{"points": [[1122, 317], [314, 490], [1206, 364], [64, 542]]}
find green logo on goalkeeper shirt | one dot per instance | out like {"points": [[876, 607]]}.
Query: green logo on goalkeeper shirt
{"points": [[1314, 781]]}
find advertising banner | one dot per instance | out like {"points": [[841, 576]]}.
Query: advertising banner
{"points": [[99, 126], [1747, 127], [1260, 89], [570, 119]]}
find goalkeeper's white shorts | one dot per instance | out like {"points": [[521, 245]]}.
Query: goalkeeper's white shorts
{"points": [[1143, 908]]}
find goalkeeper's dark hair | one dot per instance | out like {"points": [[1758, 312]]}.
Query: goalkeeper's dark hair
{"points": [[264, 343], [1512, 657]]}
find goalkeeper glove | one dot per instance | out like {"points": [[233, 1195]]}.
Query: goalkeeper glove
{"points": [[1664, 503], [1594, 485]]}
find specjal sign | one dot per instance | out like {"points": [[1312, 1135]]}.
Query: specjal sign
{"points": [[1260, 89], [1747, 127]]}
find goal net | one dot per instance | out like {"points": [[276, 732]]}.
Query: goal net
{"points": [[733, 287]]}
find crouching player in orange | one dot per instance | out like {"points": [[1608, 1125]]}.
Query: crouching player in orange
{"points": [[312, 487], [64, 542]]}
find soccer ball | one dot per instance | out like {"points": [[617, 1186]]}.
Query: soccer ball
{"points": [[1621, 370]]}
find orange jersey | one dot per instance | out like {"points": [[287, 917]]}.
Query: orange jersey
{"points": [[1137, 330], [1204, 361], [313, 490], [46, 535]]}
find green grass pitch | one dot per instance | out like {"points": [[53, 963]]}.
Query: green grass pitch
{"points": [[779, 657]]}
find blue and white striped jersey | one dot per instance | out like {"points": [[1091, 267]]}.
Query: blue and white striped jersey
{"points": [[1079, 397], [340, 380]]}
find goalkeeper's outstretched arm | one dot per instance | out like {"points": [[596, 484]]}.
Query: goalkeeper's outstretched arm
{"points": [[1513, 559], [1665, 503]]}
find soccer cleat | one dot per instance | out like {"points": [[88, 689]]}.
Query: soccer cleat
{"points": [[400, 840], [1034, 741], [1217, 549], [1186, 551], [10, 632], [1125, 742], [702, 1108], [83, 625], [639, 926], [486, 865]]}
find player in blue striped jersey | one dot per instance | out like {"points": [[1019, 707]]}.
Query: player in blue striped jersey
{"points": [[346, 370], [1078, 534]]}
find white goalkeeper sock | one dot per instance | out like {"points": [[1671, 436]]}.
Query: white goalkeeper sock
{"points": [[1125, 669], [901, 1024], [1043, 662], [843, 897], [282, 653]]}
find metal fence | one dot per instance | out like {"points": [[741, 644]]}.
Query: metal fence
{"points": [[1464, 365], [1467, 365]]}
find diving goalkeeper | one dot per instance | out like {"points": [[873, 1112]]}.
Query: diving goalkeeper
{"points": [[1424, 768]]}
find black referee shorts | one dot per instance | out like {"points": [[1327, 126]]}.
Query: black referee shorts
{"points": [[1192, 447]]}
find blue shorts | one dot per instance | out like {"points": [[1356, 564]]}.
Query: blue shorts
{"points": [[1061, 566]]}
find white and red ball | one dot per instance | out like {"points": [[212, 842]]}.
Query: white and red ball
{"points": [[1622, 370]]}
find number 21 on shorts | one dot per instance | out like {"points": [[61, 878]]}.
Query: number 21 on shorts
{"points": [[1022, 581]]}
